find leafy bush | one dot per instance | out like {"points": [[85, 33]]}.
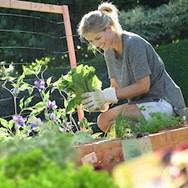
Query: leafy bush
{"points": [[157, 123], [54, 176], [31, 100], [46, 161], [50, 144], [160, 25], [123, 127]]}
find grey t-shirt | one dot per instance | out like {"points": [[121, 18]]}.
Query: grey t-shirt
{"points": [[139, 59]]}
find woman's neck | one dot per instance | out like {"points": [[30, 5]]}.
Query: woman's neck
{"points": [[117, 44]]}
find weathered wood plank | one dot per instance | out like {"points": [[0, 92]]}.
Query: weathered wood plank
{"points": [[31, 6]]}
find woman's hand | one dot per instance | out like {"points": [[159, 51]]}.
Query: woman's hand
{"points": [[95, 101]]}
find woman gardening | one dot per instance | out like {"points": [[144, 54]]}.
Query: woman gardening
{"points": [[135, 70]]}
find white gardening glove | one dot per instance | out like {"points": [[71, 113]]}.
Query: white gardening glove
{"points": [[95, 101]]}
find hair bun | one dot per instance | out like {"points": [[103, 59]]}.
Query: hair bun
{"points": [[107, 7]]}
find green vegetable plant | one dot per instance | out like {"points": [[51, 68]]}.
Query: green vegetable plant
{"points": [[53, 176], [126, 128], [157, 123], [85, 134], [79, 80]]}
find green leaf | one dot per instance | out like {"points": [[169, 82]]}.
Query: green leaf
{"points": [[21, 103], [28, 101], [24, 86], [4, 122], [48, 81], [77, 81], [37, 108], [10, 124], [3, 133], [72, 104]]}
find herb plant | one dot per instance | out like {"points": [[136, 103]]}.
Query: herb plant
{"points": [[157, 123], [124, 127]]}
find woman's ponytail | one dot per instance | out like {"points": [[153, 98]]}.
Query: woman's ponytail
{"points": [[110, 10]]}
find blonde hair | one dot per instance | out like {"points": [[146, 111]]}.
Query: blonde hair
{"points": [[97, 20]]}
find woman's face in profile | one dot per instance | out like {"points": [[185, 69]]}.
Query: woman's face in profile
{"points": [[102, 40]]}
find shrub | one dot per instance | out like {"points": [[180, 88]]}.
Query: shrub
{"points": [[46, 162], [54, 176], [160, 25]]}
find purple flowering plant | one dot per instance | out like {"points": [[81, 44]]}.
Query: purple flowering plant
{"points": [[40, 84], [19, 120], [27, 111], [52, 105]]}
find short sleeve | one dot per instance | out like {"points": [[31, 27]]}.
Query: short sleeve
{"points": [[138, 57]]}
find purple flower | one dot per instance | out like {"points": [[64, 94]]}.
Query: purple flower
{"points": [[40, 84], [19, 120], [52, 105]]}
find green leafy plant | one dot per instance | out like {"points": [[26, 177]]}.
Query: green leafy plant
{"points": [[32, 100], [46, 161], [122, 127], [53, 176], [85, 135], [82, 137], [78, 81], [31, 94], [50, 144], [126, 128], [157, 123]]}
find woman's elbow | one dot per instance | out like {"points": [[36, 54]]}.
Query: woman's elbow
{"points": [[146, 89], [145, 85]]}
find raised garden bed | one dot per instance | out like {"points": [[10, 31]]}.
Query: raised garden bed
{"points": [[102, 154], [106, 154]]}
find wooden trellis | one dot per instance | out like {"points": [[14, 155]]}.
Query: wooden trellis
{"points": [[49, 8]]}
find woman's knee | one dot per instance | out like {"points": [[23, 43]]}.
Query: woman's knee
{"points": [[103, 121], [106, 119], [132, 112]]}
